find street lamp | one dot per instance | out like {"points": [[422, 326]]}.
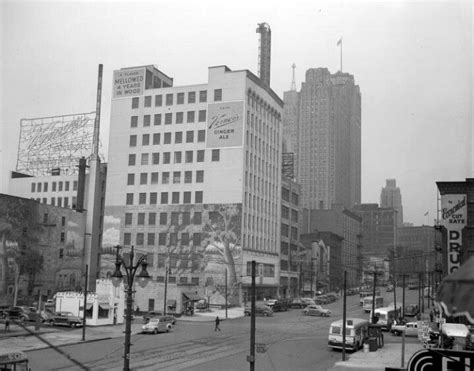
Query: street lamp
{"points": [[143, 278]]}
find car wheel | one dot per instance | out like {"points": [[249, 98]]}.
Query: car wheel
{"points": [[51, 323], [155, 331]]}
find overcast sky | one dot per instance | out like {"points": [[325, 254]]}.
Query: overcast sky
{"points": [[412, 61]]}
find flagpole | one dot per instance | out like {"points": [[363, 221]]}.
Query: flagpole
{"points": [[341, 52]]}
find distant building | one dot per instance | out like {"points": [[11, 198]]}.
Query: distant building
{"points": [[391, 197], [379, 231], [322, 126]]}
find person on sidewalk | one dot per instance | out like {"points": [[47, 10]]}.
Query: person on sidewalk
{"points": [[7, 324], [431, 316], [218, 321]]}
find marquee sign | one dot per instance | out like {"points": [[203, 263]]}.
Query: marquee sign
{"points": [[441, 360], [453, 218]]}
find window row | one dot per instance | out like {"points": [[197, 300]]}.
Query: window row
{"points": [[174, 218], [154, 158], [169, 98], [55, 186], [166, 177], [285, 229], [61, 201], [285, 195], [168, 118], [285, 213], [162, 239], [265, 270], [176, 198], [155, 138]]}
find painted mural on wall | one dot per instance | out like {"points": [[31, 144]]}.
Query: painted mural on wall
{"points": [[194, 241]]}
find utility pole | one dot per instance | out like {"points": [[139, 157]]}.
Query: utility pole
{"points": [[85, 305], [395, 294], [251, 357], [311, 275], [422, 292], [419, 287], [429, 290], [344, 319], [403, 299], [226, 293], [166, 289], [372, 320]]}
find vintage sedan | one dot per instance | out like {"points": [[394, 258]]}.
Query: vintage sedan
{"points": [[410, 329], [64, 319], [316, 310], [157, 324]]}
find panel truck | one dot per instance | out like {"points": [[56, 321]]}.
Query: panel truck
{"points": [[357, 330]]}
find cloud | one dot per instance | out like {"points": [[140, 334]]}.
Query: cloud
{"points": [[110, 237], [109, 219]]}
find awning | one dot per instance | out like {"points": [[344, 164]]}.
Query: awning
{"points": [[171, 303], [104, 306], [89, 306], [192, 296]]}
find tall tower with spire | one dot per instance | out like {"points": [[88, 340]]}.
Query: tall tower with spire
{"points": [[291, 113], [392, 197]]}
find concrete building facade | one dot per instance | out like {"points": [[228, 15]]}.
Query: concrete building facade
{"points": [[324, 120], [194, 180]]}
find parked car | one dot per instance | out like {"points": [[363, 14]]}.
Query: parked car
{"points": [[64, 319], [308, 301], [410, 329], [260, 310], [202, 304], [316, 310], [4, 310], [277, 305], [156, 325], [20, 313], [332, 297], [152, 314], [411, 310], [297, 303]]}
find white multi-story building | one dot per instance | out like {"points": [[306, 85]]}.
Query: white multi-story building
{"points": [[194, 178]]}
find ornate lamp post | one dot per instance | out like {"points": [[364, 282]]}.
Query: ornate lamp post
{"points": [[143, 278]]}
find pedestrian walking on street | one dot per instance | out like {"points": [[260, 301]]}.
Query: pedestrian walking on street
{"points": [[218, 321], [431, 316], [7, 324]]}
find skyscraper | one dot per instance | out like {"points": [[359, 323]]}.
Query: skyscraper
{"points": [[327, 131], [391, 197]]}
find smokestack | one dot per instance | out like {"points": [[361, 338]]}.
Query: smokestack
{"points": [[81, 184], [95, 150], [264, 55]]}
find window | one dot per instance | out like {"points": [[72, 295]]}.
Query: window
{"points": [[60, 201], [198, 197], [180, 98], [201, 135], [186, 197], [140, 238], [217, 95], [156, 138], [127, 238], [38, 187], [162, 239], [146, 120], [179, 117], [164, 198], [141, 219], [176, 177], [165, 177], [268, 270], [175, 198], [215, 155], [33, 187], [53, 201], [202, 115], [145, 139], [184, 239], [158, 100], [143, 178], [151, 239], [294, 215], [131, 160], [74, 185], [155, 158], [129, 200], [135, 102], [169, 99], [178, 137], [157, 119], [144, 160], [54, 186], [45, 186], [189, 157], [166, 157], [183, 280], [284, 230], [174, 218], [203, 96], [133, 141], [74, 202], [168, 118], [200, 155], [200, 176], [197, 239], [188, 177], [152, 218], [190, 117], [192, 97], [294, 198], [197, 219], [189, 136], [130, 179], [66, 186], [60, 187], [285, 212], [177, 157], [154, 178], [186, 218], [45, 218], [153, 198], [167, 138], [195, 281], [163, 218], [171, 279], [128, 218], [148, 101]]}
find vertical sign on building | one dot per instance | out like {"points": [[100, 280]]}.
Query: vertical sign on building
{"points": [[225, 124], [128, 83], [453, 214]]}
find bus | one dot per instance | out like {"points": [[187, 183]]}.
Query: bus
{"points": [[365, 293], [368, 303], [13, 360], [357, 330], [386, 316]]}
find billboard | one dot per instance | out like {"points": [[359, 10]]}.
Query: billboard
{"points": [[225, 124], [128, 83], [453, 218]]}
